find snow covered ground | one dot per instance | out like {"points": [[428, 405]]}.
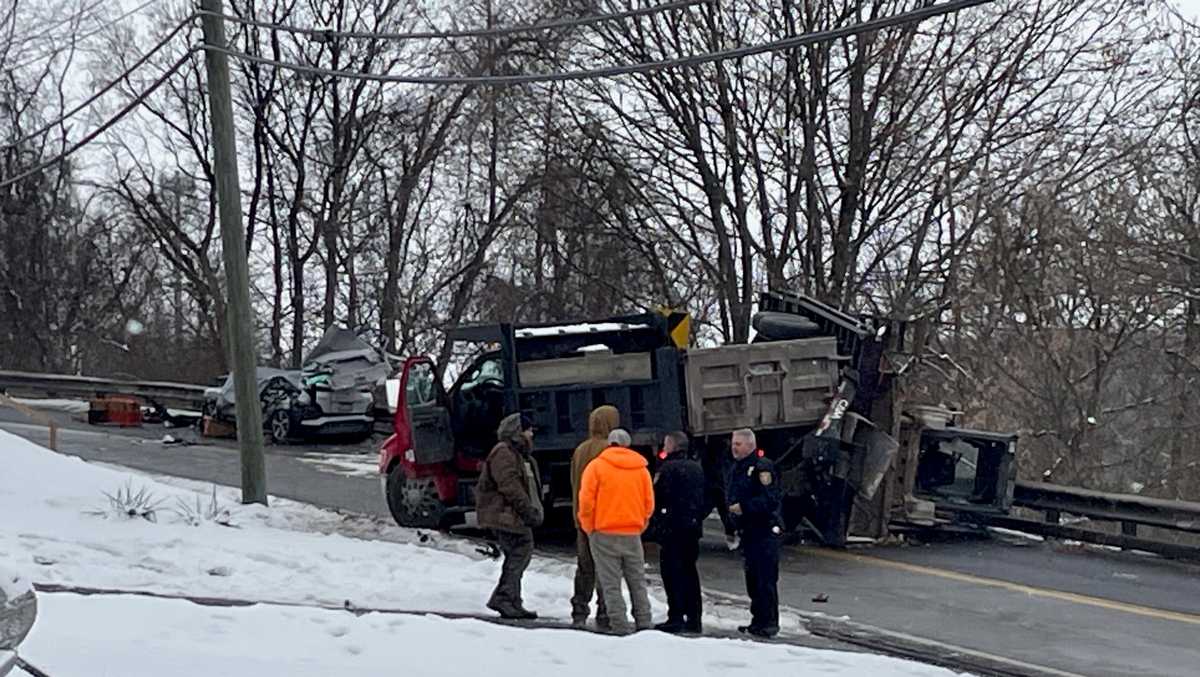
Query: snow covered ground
{"points": [[60, 528], [64, 406], [348, 465]]}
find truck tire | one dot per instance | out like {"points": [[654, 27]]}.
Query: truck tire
{"points": [[414, 501], [775, 326]]}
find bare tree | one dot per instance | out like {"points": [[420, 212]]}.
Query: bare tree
{"points": [[65, 279]]}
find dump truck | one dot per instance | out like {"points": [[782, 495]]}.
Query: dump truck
{"points": [[816, 384]]}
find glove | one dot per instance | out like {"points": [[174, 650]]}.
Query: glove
{"points": [[535, 517], [732, 541]]}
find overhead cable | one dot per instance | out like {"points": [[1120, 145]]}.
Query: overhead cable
{"points": [[125, 110], [499, 31], [104, 90], [792, 42]]}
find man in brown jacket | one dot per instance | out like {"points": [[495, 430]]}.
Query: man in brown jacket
{"points": [[508, 500], [603, 420]]}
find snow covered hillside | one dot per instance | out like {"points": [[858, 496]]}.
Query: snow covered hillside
{"points": [[60, 528]]}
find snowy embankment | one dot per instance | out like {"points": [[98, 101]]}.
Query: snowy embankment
{"points": [[63, 406], [60, 528]]}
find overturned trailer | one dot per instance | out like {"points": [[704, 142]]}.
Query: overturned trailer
{"points": [[815, 385]]}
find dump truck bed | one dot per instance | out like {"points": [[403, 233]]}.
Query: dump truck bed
{"points": [[779, 384]]}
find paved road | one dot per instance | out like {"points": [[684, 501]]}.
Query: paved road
{"points": [[1099, 621], [1081, 611], [289, 474]]}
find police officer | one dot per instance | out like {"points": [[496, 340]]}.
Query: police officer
{"points": [[754, 502], [678, 524]]}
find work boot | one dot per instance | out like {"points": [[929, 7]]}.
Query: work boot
{"points": [[578, 623], [670, 626], [525, 614], [693, 628], [508, 610], [766, 633], [618, 629]]}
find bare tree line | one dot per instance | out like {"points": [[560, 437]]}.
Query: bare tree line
{"points": [[1021, 180]]}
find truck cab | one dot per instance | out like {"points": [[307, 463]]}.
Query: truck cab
{"points": [[555, 374]]}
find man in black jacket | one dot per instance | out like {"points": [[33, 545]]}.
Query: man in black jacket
{"points": [[679, 523]]}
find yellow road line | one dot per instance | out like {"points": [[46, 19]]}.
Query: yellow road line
{"points": [[1109, 604]]}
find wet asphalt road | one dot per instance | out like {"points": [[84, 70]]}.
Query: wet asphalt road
{"points": [[1082, 611]]}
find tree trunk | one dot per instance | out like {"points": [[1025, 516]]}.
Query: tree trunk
{"points": [[852, 177], [352, 299], [297, 269], [329, 307]]}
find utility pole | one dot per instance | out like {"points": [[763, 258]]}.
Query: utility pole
{"points": [[237, 272]]}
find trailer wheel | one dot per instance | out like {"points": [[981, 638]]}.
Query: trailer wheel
{"points": [[414, 501]]}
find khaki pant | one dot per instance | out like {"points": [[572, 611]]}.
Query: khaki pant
{"points": [[585, 584], [621, 557]]}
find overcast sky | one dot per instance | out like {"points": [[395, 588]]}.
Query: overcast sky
{"points": [[1190, 7]]}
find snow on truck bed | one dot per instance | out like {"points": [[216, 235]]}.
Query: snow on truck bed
{"points": [[59, 528]]}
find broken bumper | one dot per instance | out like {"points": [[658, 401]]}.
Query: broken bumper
{"points": [[339, 424]]}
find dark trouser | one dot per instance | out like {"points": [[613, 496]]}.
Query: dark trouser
{"points": [[585, 583], [762, 577], [677, 561], [517, 547]]}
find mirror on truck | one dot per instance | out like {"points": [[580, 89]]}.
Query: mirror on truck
{"points": [[18, 611]]}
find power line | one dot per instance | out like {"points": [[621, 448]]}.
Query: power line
{"points": [[916, 15], [104, 90], [470, 33], [128, 108], [95, 31]]}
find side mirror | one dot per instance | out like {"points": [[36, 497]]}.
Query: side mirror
{"points": [[18, 609]]}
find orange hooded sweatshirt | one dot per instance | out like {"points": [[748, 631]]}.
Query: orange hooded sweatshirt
{"points": [[616, 495]]}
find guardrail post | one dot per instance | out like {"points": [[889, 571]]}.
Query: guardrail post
{"points": [[34, 416]]}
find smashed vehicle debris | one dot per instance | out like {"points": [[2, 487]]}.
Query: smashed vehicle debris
{"points": [[332, 396]]}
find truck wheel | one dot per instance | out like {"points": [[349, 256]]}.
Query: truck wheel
{"points": [[414, 501], [281, 427]]}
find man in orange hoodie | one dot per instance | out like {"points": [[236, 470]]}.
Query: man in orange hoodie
{"points": [[616, 501]]}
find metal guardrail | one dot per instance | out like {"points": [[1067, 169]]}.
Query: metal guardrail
{"points": [[181, 395], [1066, 532], [1128, 509]]}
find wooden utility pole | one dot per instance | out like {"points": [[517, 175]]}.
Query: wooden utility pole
{"points": [[237, 273]]}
